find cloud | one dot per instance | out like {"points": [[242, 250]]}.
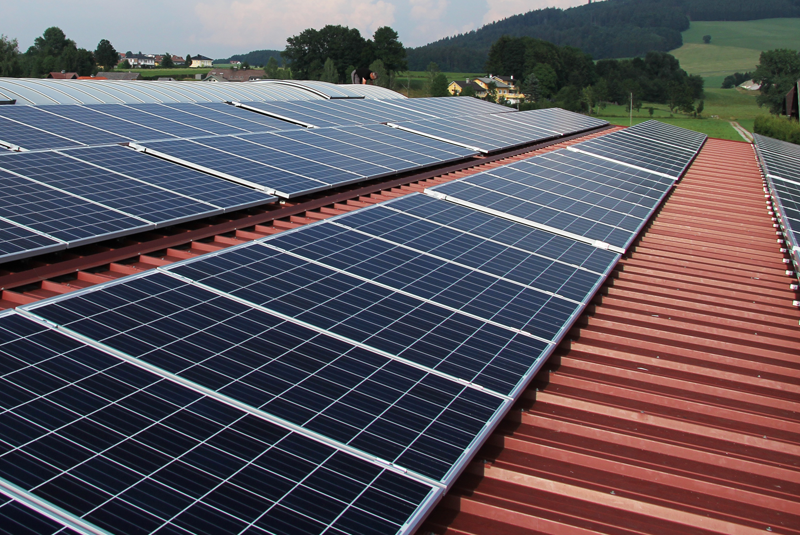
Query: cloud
{"points": [[255, 24], [501, 9]]}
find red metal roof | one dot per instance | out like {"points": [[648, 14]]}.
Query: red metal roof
{"points": [[673, 407]]}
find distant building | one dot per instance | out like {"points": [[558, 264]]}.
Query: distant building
{"points": [[236, 62], [63, 75], [750, 85], [457, 88], [792, 105], [141, 60], [234, 75], [506, 87], [201, 61]]}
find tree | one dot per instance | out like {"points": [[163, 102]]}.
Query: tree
{"points": [[245, 65], [468, 91], [491, 92], [329, 72], [378, 68], [106, 55], [439, 86], [777, 72], [306, 52], [124, 64], [432, 70], [706, 39], [531, 88], [699, 109], [9, 57], [388, 48], [188, 61], [679, 96], [166, 61], [588, 97], [271, 69], [548, 80]]}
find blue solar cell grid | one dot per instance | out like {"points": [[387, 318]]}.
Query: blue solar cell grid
{"points": [[176, 178], [14, 134], [634, 150], [451, 106], [233, 116], [131, 452], [58, 214], [425, 333], [556, 120], [18, 242], [126, 195], [567, 191], [402, 414], [667, 133], [485, 132], [71, 132]]}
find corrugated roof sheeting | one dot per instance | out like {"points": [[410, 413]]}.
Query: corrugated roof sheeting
{"points": [[673, 407]]}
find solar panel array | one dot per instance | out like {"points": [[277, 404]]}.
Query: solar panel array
{"points": [[335, 378], [373, 352], [55, 200], [488, 133], [780, 161], [603, 199], [651, 145]]}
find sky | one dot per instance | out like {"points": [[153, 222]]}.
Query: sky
{"points": [[221, 28]]}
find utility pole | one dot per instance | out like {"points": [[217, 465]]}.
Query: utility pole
{"points": [[631, 108]]}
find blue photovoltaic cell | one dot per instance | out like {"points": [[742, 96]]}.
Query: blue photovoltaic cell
{"points": [[485, 132], [450, 106], [125, 130], [104, 187], [233, 116], [557, 120], [779, 158], [129, 112], [568, 191], [541, 270], [21, 135], [634, 150], [59, 214], [383, 407], [18, 242], [667, 133], [131, 452], [247, 163], [496, 229], [777, 147], [423, 332], [17, 519], [326, 113], [73, 132], [168, 175]]}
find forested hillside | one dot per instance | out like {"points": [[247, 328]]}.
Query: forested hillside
{"points": [[256, 57], [610, 29]]}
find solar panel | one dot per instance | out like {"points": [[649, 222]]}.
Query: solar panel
{"points": [[327, 113], [59, 215], [290, 164], [777, 147], [667, 133], [139, 117], [14, 135], [18, 242], [106, 188], [557, 120], [125, 130], [176, 178], [231, 115], [124, 449], [17, 519], [639, 152], [403, 415], [66, 132], [536, 262], [450, 106], [486, 133], [566, 192]]}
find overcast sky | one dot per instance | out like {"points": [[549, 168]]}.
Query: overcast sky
{"points": [[221, 28]]}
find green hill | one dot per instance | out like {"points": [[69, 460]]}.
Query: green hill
{"points": [[735, 46]]}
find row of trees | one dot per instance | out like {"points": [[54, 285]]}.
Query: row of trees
{"points": [[50, 52], [609, 29], [333, 52], [569, 76]]}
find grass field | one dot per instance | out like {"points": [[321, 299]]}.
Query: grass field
{"points": [[721, 107], [734, 47]]}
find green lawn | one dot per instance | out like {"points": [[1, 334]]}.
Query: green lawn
{"points": [[734, 47], [721, 107]]}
